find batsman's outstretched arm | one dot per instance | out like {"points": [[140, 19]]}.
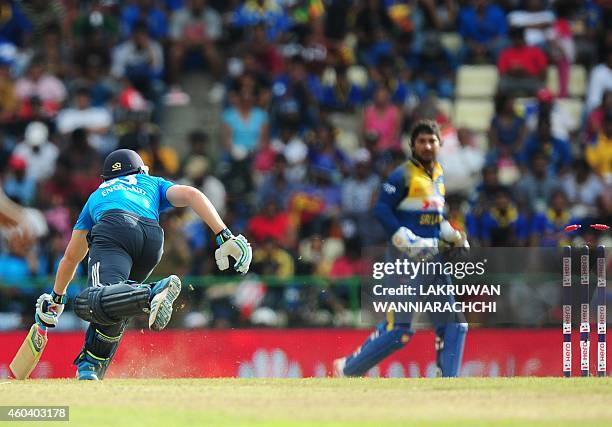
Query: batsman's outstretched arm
{"points": [[181, 196], [236, 247], [74, 254], [49, 307]]}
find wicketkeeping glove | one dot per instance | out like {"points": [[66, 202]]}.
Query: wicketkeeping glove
{"points": [[414, 246], [455, 237], [49, 308], [235, 246]]}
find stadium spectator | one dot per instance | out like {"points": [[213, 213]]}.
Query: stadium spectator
{"points": [[342, 95], [485, 192], [502, 225], [358, 190], [508, 131], [194, 30], [17, 185], [140, 59], [462, 164], [595, 119], [198, 173], [358, 197], [599, 154], [535, 19], [272, 223], [350, 264], [383, 118], [15, 27], [267, 12], [600, 80], [84, 163], [147, 12], [484, 30], [537, 185], [92, 61], [42, 14], [245, 127], [57, 191], [38, 152], [96, 120], [197, 141], [39, 86], [275, 185], [57, 55], [547, 228], [298, 89], [561, 46], [558, 150], [295, 151], [269, 259], [386, 74], [161, 159], [325, 156], [522, 68], [97, 22], [8, 99], [584, 190], [546, 106]]}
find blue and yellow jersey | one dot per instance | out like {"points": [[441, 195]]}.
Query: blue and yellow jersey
{"points": [[412, 198], [140, 194]]}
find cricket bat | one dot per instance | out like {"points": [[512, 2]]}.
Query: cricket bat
{"points": [[29, 353]]}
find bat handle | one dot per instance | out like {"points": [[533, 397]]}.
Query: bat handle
{"points": [[40, 323]]}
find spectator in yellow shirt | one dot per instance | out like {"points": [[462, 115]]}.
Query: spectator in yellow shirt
{"points": [[599, 155], [161, 159]]}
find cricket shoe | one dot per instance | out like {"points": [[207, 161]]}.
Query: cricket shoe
{"points": [[163, 294], [339, 367], [89, 368]]}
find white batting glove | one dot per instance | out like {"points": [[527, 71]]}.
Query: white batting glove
{"points": [[414, 246], [235, 246], [49, 308]]}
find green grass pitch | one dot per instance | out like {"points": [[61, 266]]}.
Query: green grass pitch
{"points": [[321, 402]]}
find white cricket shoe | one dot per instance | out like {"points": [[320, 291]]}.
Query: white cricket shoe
{"points": [[164, 293], [339, 367]]}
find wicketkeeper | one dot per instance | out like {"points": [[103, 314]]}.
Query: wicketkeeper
{"points": [[411, 207], [119, 226]]}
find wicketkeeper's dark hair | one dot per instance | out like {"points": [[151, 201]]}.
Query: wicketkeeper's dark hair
{"points": [[429, 127]]}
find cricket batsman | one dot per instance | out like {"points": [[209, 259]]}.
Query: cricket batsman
{"points": [[410, 207], [119, 226]]}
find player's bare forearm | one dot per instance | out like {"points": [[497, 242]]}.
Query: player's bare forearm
{"points": [[183, 195], [75, 252]]}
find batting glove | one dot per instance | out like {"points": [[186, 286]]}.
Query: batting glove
{"points": [[414, 246], [235, 246], [49, 307]]}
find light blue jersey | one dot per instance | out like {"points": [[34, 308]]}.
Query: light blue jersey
{"points": [[140, 194]]}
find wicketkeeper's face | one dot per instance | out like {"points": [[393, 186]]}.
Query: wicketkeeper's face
{"points": [[426, 147]]}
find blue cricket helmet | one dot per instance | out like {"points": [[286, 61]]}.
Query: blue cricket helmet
{"points": [[122, 162]]}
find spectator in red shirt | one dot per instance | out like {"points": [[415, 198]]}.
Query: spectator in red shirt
{"points": [[522, 68], [273, 224], [350, 264]]}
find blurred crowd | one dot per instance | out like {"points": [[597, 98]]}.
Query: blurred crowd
{"points": [[316, 100]]}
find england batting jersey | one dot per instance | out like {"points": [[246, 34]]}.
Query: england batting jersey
{"points": [[140, 194], [412, 198]]}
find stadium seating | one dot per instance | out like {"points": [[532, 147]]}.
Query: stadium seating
{"points": [[473, 113], [577, 83], [476, 81]]}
